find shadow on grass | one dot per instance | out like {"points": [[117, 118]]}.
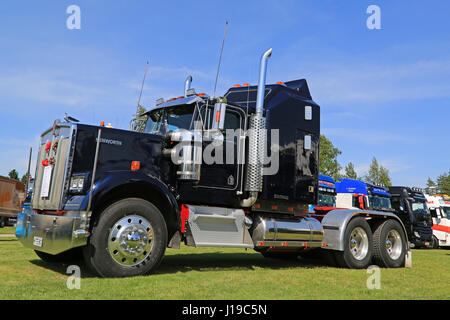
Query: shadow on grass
{"points": [[203, 262], [216, 261], [62, 267]]}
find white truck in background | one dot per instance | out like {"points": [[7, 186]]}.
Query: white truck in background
{"points": [[440, 212]]}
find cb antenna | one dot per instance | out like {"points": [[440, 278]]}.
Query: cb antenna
{"points": [[220, 59], [142, 88]]}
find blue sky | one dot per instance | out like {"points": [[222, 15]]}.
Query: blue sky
{"points": [[383, 93]]}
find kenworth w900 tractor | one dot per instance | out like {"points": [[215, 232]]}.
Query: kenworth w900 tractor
{"points": [[238, 171]]}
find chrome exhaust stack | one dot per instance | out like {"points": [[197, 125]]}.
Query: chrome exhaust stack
{"points": [[187, 85], [257, 139]]}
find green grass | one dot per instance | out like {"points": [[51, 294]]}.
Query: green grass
{"points": [[214, 273], [8, 230]]}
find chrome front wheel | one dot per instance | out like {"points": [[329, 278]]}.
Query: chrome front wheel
{"points": [[130, 240]]}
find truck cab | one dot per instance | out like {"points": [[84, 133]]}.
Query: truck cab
{"points": [[12, 196], [363, 195], [233, 171], [327, 196], [410, 205], [440, 213]]}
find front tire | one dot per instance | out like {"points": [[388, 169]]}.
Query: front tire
{"points": [[129, 239], [389, 244], [435, 243], [357, 252]]}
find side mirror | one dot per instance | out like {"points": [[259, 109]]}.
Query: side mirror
{"points": [[220, 109]]}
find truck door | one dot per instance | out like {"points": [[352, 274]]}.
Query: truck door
{"points": [[220, 168]]}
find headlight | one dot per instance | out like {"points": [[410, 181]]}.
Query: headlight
{"points": [[77, 183]]}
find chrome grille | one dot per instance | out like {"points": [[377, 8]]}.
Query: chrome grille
{"points": [[58, 157]]}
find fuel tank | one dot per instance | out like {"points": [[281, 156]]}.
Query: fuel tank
{"points": [[287, 232]]}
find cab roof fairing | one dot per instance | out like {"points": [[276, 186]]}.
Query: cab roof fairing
{"points": [[351, 186], [176, 102], [297, 89], [245, 97], [327, 183], [406, 192]]}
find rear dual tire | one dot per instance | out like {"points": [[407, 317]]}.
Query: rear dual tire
{"points": [[358, 247], [390, 245]]}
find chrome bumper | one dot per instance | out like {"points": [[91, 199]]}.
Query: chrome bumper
{"points": [[52, 234]]}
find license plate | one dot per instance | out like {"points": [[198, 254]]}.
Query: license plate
{"points": [[37, 242], [46, 177], [426, 243]]}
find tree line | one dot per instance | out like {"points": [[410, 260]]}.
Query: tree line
{"points": [[440, 185], [14, 175], [330, 166]]}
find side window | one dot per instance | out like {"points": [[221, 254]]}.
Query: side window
{"points": [[206, 114], [232, 120]]}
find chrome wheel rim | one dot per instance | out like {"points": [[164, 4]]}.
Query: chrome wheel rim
{"points": [[130, 240], [394, 244], [359, 243]]}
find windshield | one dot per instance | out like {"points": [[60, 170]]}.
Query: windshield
{"points": [[419, 206], [378, 202], [164, 120], [327, 200]]}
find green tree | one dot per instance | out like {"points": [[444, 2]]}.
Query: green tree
{"points": [[431, 186], [384, 177], [24, 178], [140, 120], [378, 174], [13, 174], [350, 171], [443, 183], [328, 163], [374, 171]]}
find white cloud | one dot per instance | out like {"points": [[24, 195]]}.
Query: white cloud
{"points": [[365, 83]]}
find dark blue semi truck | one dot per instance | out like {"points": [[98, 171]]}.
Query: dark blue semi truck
{"points": [[120, 197]]}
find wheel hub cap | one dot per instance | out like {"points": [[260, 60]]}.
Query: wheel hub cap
{"points": [[394, 244], [130, 240], [359, 243]]}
